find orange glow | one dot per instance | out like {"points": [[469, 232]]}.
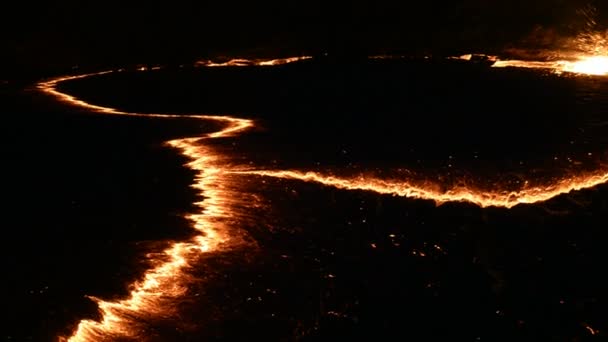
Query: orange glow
{"points": [[386, 57], [156, 294], [475, 56], [465, 57], [233, 125], [429, 191], [515, 63], [252, 62], [159, 292], [590, 329], [586, 54], [585, 65]]}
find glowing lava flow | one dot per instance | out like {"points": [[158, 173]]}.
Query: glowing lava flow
{"points": [[585, 65], [594, 65], [581, 64], [585, 54], [156, 294], [242, 62], [233, 125], [429, 191]]}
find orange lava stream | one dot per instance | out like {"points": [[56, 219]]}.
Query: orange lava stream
{"points": [[429, 191], [584, 54], [252, 62], [233, 125], [585, 65], [156, 294]]}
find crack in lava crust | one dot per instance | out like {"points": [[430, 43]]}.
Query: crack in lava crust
{"points": [[156, 294]]}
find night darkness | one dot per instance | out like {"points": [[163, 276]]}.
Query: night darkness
{"points": [[305, 171], [68, 33]]}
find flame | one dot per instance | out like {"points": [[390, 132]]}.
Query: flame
{"points": [[157, 293]]}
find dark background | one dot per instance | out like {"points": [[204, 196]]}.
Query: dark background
{"points": [[63, 34]]}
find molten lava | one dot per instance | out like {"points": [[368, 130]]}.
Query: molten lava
{"points": [[158, 293], [217, 181], [429, 190], [241, 62], [587, 55], [593, 65], [584, 65]]}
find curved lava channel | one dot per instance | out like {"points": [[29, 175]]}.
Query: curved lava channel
{"points": [[156, 294]]}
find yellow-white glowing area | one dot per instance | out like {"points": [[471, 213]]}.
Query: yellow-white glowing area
{"points": [[218, 181], [586, 54], [584, 65], [594, 65]]}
